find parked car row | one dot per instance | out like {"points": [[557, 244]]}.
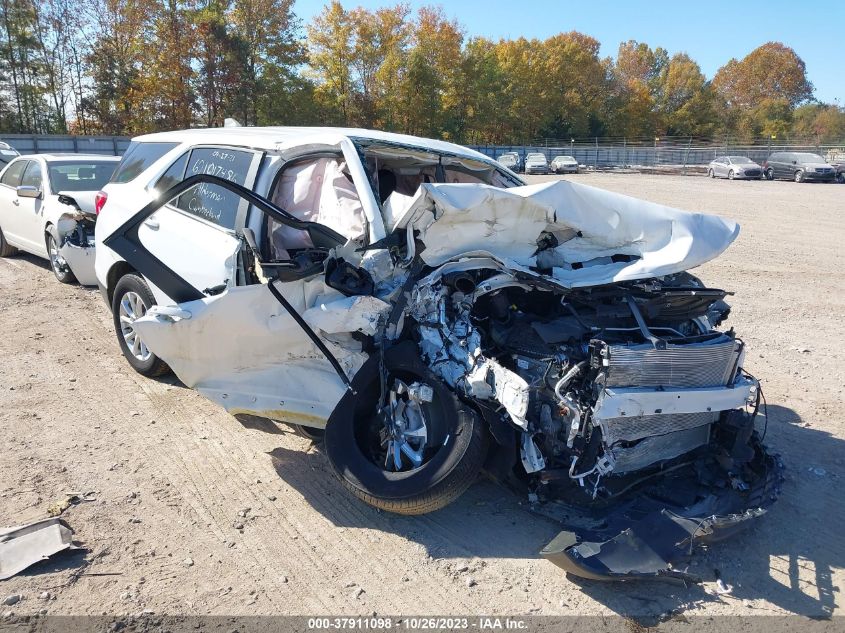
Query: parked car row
{"points": [[415, 305], [797, 166], [537, 163]]}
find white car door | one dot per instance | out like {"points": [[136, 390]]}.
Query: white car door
{"points": [[253, 348], [10, 203], [195, 233], [32, 209]]}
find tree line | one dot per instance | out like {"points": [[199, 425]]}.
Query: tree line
{"points": [[133, 66]]}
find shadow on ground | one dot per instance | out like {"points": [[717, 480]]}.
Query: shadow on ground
{"points": [[786, 558]]}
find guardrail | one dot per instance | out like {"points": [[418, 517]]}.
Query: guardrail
{"points": [[61, 144]]}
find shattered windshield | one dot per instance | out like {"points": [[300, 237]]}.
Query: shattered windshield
{"points": [[402, 169]]}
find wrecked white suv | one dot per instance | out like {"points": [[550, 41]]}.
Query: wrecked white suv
{"points": [[434, 316]]}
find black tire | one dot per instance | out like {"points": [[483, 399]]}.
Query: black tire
{"points": [[770, 174], [309, 433], [799, 176], [62, 272], [6, 250], [151, 365], [731, 174], [840, 178], [453, 426], [711, 173]]}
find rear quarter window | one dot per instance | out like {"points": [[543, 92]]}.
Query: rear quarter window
{"points": [[206, 201], [138, 157]]}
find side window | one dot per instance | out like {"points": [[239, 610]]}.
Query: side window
{"points": [[137, 158], [32, 175], [317, 190], [211, 202], [12, 176], [174, 174]]}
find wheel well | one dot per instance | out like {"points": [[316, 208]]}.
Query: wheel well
{"points": [[115, 273]]}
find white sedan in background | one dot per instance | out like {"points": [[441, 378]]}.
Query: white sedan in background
{"points": [[564, 165], [536, 163], [47, 208]]}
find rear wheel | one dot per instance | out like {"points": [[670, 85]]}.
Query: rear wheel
{"points": [[60, 268], [770, 174], [710, 173], [6, 250], [731, 174], [414, 452], [799, 176], [132, 299]]}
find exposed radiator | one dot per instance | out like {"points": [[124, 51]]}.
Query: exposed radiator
{"points": [[660, 448], [695, 365], [658, 437], [635, 428]]}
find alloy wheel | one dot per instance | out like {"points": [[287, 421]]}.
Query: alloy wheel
{"points": [[57, 262], [132, 307]]}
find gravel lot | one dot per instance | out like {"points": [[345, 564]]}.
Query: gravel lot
{"points": [[194, 513]]}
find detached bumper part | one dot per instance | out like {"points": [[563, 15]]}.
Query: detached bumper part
{"points": [[80, 260], [647, 539]]}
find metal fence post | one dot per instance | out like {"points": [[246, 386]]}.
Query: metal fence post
{"points": [[596, 164]]}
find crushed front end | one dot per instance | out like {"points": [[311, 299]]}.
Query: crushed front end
{"points": [[631, 418]]}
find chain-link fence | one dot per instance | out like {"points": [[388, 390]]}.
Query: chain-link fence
{"points": [[675, 154], [672, 154]]}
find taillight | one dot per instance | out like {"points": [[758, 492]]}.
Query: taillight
{"points": [[100, 201]]}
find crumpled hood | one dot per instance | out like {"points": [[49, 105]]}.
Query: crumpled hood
{"points": [[602, 237]]}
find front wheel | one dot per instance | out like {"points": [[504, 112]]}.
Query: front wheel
{"points": [[132, 298], [60, 268], [710, 173], [770, 174], [840, 178], [415, 448], [731, 174], [799, 176]]}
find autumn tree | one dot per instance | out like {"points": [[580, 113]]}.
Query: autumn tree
{"points": [[771, 71], [26, 68], [821, 122], [685, 101]]}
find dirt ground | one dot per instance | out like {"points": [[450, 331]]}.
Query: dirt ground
{"points": [[192, 513]]}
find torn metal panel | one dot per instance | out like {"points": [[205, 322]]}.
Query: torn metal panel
{"points": [[647, 538], [242, 349], [26, 545]]}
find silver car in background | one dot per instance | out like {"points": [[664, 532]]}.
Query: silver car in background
{"points": [[734, 167], [564, 165], [511, 160], [536, 163]]}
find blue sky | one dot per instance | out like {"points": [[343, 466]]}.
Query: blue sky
{"points": [[710, 31]]}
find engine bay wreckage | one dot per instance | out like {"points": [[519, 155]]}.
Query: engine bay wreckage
{"points": [[548, 334], [74, 237]]}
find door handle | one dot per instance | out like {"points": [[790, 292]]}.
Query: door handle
{"points": [[151, 223], [16, 202]]}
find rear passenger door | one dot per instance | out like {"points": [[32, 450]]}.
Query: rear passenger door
{"points": [[196, 234], [783, 165]]}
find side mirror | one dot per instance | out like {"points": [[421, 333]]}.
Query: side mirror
{"points": [[28, 191], [795, 162]]}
